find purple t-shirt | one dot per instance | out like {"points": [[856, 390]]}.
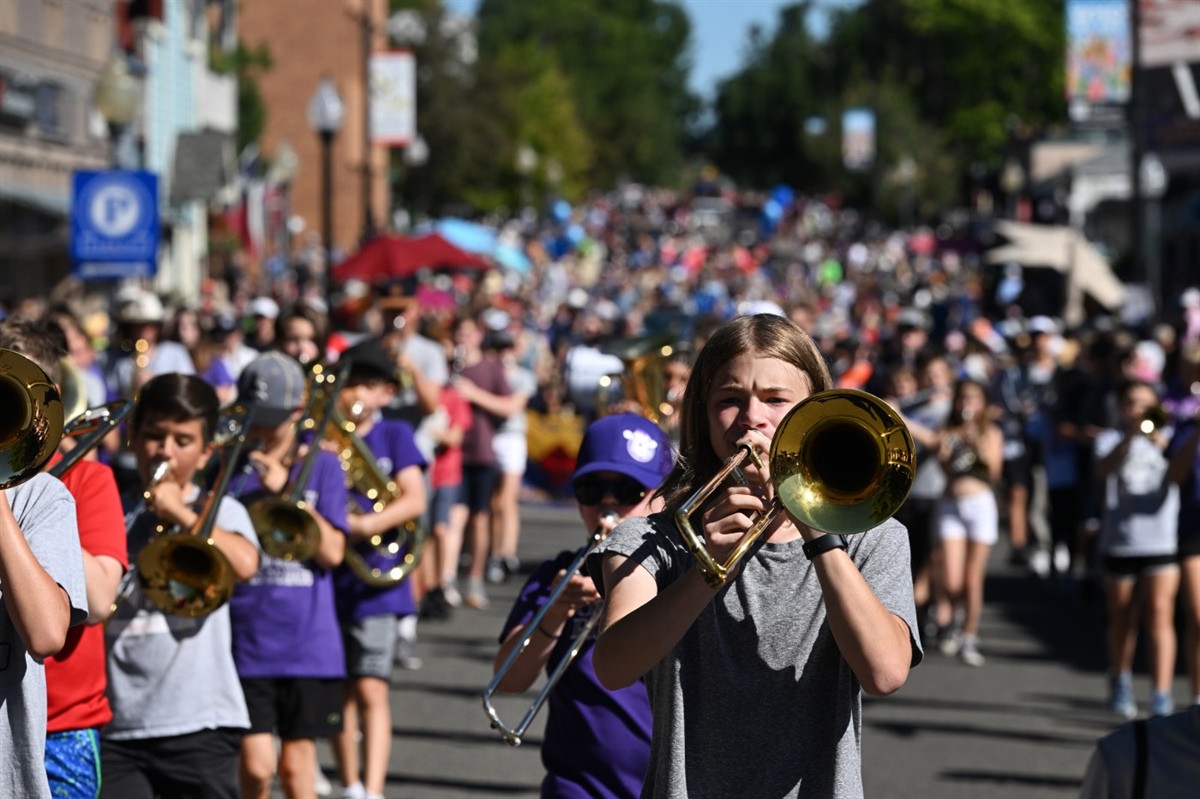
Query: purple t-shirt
{"points": [[597, 741], [284, 620], [395, 449]]}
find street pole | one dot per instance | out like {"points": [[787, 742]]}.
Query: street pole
{"points": [[1136, 150], [327, 217], [367, 171]]}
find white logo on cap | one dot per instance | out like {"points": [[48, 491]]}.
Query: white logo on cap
{"points": [[260, 389], [640, 446]]}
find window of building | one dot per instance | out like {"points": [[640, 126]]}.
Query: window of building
{"points": [[51, 115]]}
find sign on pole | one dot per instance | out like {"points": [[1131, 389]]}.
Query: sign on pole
{"points": [[393, 98], [114, 224]]}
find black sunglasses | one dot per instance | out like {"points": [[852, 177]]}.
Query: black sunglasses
{"points": [[592, 490]]}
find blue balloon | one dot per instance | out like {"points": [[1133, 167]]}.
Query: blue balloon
{"points": [[783, 195], [561, 210]]}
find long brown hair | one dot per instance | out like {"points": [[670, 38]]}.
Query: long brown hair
{"points": [[762, 335]]}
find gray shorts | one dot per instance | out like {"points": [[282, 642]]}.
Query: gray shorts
{"points": [[370, 644]]}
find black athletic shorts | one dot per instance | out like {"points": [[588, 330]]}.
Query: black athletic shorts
{"points": [[294, 707]]}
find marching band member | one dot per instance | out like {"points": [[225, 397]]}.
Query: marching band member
{"points": [[368, 614], [803, 627], [597, 741], [178, 711], [75, 678], [42, 595], [286, 641]]}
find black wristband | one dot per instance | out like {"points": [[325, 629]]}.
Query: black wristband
{"points": [[542, 630], [823, 544]]}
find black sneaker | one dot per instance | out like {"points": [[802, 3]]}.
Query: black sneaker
{"points": [[434, 606]]}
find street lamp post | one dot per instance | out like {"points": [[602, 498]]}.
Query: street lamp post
{"points": [[117, 95], [326, 114]]}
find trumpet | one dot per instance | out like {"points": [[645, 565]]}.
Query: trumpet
{"points": [[286, 530], [90, 427], [184, 573], [842, 462], [1154, 419], [32, 422], [512, 735], [399, 550]]}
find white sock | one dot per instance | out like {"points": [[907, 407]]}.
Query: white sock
{"points": [[407, 627]]}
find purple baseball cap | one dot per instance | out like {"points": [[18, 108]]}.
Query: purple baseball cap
{"points": [[627, 444]]}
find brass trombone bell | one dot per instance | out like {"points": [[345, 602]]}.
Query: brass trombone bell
{"points": [[1154, 419], [31, 422], [841, 462]]}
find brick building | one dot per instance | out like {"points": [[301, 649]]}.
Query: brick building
{"points": [[309, 39]]}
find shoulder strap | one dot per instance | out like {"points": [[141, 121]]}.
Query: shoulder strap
{"points": [[1139, 759]]}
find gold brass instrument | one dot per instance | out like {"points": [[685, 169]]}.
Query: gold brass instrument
{"points": [[91, 427], [1155, 418], [399, 550], [286, 530], [642, 381], [841, 461], [512, 735], [74, 389], [31, 423], [184, 573]]}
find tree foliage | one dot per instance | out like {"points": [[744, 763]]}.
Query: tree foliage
{"points": [[948, 79], [625, 63]]}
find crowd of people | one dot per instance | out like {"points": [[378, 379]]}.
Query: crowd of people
{"points": [[1072, 443]]}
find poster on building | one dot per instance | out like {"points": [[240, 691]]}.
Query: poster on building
{"points": [[1170, 32], [393, 98], [1098, 51], [858, 139]]}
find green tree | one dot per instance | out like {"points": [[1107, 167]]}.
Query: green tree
{"points": [[626, 64], [246, 63]]}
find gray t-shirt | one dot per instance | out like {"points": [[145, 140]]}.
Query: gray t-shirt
{"points": [[170, 675], [756, 699], [45, 511], [1141, 506]]}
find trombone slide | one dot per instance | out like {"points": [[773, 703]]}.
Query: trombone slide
{"points": [[512, 735]]}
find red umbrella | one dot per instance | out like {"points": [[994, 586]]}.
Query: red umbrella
{"points": [[398, 257]]}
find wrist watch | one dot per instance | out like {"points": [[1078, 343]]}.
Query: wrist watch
{"points": [[822, 544]]}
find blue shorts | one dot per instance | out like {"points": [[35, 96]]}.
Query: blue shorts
{"points": [[73, 764], [444, 499]]}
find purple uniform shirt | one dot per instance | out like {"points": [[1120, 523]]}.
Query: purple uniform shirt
{"points": [[392, 443], [284, 620], [597, 741]]}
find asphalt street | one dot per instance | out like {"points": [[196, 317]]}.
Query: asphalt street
{"points": [[1020, 727]]}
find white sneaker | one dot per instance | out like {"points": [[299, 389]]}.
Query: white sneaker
{"points": [[971, 655], [1039, 563], [355, 791], [1062, 560], [321, 783], [453, 598]]}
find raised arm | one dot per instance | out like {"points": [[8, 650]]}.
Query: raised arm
{"points": [[641, 626], [38, 606]]}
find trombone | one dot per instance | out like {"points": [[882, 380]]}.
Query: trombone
{"points": [[399, 549], [842, 462], [285, 528], [31, 424], [90, 427], [512, 735], [184, 573]]}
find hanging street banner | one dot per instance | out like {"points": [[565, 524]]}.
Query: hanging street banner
{"points": [[1099, 59], [114, 224], [393, 98]]}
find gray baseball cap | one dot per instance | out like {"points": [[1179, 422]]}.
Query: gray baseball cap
{"points": [[273, 384]]}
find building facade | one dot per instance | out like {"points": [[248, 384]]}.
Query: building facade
{"points": [[308, 40], [51, 53]]}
